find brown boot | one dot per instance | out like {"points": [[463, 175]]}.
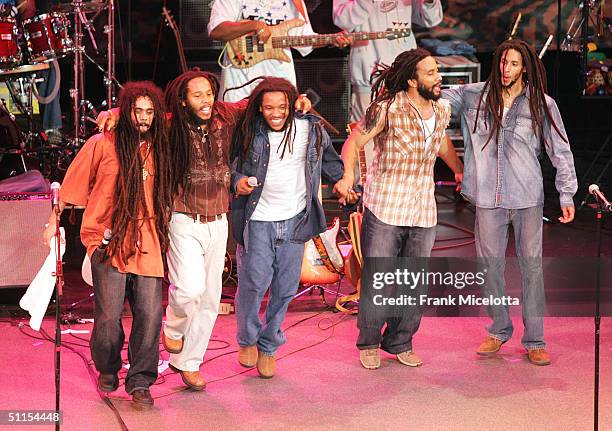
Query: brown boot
{"points": [[247, 356], [266, 365], [489, 346], [192, 379], [172, 346], [538, 356]]}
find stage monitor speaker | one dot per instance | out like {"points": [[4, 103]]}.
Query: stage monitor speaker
{"points": [[193, 20], [326, 82], [21, 249]]}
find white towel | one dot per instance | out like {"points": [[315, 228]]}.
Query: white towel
{"points": [[37, 297]]}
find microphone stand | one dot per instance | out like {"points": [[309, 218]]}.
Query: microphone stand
{"points": [[597, 317], [59, 283]]}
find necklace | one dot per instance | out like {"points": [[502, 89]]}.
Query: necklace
{"points": [[426, 132], [145, 171]]}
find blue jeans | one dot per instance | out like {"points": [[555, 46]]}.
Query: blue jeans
{"points": [[51, 112], [491, 229], [379, 239], [272, 261], [145, 297]]}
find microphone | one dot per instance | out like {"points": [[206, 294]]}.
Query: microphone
{"points": [[55, 188], [594, 190]]}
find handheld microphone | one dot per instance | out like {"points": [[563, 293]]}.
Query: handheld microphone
{"points": [[594, 190], [55, 188]]}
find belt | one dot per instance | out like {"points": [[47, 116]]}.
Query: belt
{"points": [[204, 218]]}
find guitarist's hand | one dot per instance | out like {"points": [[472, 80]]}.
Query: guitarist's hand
{"points": [[303, 103], [243, 187], [342, 40], [263, 32], [107, 120]]}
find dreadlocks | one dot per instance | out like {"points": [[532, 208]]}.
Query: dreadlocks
{"points": [[248, 127], [182, 121], [534, 78], [388, 81], [130, 207]]}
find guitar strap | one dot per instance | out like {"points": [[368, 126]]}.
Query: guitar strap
{"points": [[299, 4]]}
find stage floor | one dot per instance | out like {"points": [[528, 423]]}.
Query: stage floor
{"points": [[320, 384]]}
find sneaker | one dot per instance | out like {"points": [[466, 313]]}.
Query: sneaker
{"points": [[489, 346], [247, 356], [369, 358], [538, 356], [172, 346], [266, 365], [409, 358]]}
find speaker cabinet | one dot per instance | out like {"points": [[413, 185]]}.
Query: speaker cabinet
{"points": [[22, 252], [326, 82], [193, 21]]}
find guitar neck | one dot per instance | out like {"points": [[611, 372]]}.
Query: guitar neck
{"points": [[323, 39], [362, 166]]}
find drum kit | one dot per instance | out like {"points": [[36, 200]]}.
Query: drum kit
{"points": [[28, 49]]}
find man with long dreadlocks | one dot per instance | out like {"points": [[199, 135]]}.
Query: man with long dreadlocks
{"points": [[124, 181], [507, 121], [281, 157], [200, 137], [406, 121], [201, 133]]}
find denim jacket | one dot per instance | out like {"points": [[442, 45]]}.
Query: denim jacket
{"points": [[507, 173], [255, 164]]}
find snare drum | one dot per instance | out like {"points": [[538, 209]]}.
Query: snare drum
{"points": [[10, 54], [47, 37]]}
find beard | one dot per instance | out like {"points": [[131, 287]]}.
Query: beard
{"points": [[195, 119], [428, 93], [510, 85]]}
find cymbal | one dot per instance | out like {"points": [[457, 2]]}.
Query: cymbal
{"points": [[90, 6], [26, 68]]}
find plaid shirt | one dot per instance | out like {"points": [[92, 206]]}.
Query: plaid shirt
{"points": [[399, 189]]}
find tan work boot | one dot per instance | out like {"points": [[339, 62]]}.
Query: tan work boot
{"points": [[247, 356], [369, 358], [172, 346], [409, 358], [489, 346], [538, 356], [192, 379], [266, 365]]}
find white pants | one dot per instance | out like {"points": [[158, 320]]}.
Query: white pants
{"points": [[359, 106], [195, 269]]}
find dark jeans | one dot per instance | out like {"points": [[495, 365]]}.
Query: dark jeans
{"points": [[145, 297], [379, 239]]}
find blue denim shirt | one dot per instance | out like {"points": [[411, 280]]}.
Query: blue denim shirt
{"points": [[507, 173], [255, 164]]}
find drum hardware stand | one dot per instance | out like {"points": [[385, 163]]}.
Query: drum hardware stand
{"points": [[77, 93]]}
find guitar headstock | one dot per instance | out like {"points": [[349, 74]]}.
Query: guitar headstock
{"points": [[399, 30], [351, 126], [169, 19]]}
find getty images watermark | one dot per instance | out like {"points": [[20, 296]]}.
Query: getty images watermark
{"points": [[437, 282], [408, 279]]}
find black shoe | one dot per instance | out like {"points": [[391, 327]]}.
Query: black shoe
{"points": [[108, 382], [142, 398]]}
